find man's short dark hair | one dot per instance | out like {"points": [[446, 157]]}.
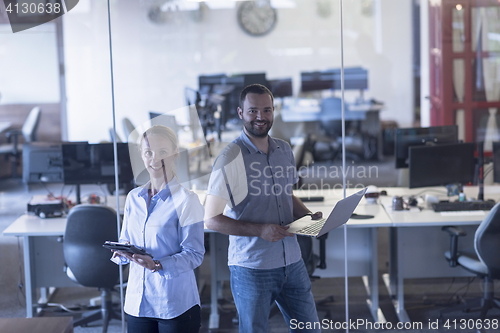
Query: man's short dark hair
{"points": [[254, 89]]}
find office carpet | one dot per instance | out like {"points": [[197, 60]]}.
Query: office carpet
{"points": [[424, 298]]}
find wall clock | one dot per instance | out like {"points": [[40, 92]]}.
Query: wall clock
{"points": [[257, 18]]}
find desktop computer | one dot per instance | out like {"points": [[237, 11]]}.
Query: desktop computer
{"points": [[450, 165], [421, 136], [441, 165], [355, 78], [42, 162], [85, 163]]}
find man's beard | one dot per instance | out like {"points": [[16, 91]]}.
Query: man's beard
{"points": [[259, 133]]}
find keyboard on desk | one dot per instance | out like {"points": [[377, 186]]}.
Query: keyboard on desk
{"points": [[459, 206]]}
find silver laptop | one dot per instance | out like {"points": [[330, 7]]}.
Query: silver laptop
{"points": [[340, 214]]}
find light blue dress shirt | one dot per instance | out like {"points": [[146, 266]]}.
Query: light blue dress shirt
{"points": [[259, 192], [170, 230]]}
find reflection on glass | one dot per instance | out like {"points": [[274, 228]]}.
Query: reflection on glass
{"points": [[486, 126], [458, 36], [459, 79], [460, 122], [478, 88], [486, 28], [491, 73]]}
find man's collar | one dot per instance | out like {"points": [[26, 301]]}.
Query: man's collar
{"points": [[273, 144]]}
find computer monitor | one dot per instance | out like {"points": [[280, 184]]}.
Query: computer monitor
{"points": [[441, 164], [210, 83], [206, 82], [252, 78], [168, 120], [153, 115], [314, 81], [85, 163], [355, 78], [419, 136], [281, 87]]}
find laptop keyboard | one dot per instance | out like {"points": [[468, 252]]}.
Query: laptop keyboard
{"points": [[312, 229]]}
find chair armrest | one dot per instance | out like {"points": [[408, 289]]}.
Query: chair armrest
{"points": [[454, 233], [13, 132], [13, 136]]}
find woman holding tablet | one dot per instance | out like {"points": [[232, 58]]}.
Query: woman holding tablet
{"points": [[165, 219]]}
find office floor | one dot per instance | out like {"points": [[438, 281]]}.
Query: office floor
{"points": [[424, 297]]}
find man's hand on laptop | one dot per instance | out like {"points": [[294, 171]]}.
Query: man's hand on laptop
{"points": [[315, 216], [274, 232]]}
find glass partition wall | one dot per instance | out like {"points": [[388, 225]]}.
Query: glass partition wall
{"points": [[173, 55], [183, 64]]}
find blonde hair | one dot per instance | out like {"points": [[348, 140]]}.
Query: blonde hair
{"points": [[163, 131]]}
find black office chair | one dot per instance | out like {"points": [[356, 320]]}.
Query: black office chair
{"points": [[13, 147], [358, 145], [484, 262], [87, 228]]}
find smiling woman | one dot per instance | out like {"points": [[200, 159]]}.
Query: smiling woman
{"points": [[163, 218], [159, 149]]}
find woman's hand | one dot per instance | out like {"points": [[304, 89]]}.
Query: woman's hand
{"points": [[120, 253], [143, 260], [140, 259]]}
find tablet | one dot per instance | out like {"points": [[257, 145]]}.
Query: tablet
{"points": [[124, 247]]}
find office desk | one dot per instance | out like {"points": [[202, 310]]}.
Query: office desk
{"points": [[42, 254], [417, 244], [44, 260], [361, 251], [362, 246]]}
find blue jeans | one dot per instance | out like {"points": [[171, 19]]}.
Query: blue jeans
{"points": [[255, 290]]}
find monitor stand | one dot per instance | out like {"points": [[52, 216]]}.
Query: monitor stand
{"points": [[78, 196], [480, 164]]}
